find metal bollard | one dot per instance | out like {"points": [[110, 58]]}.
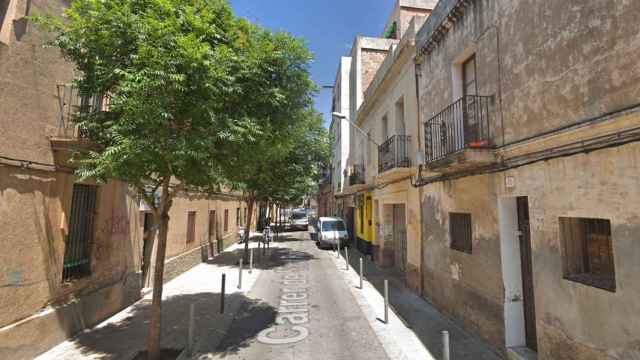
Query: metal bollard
{"points": [[250, 261], [346, 258], [445, 345], [386, 301], [240, 274], [224, 280], [361, 273], [191, 327]]}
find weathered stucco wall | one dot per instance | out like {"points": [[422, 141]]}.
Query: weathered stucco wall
{"points": [[468, 286], [34, 216], [548, 66], [565, 61], [29, 74], [577, 321]]}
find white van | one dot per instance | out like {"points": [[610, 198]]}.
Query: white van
{"points": [[332, 231]]}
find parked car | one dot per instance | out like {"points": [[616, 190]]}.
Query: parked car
{"points": [[299, 220], [331, 232]]}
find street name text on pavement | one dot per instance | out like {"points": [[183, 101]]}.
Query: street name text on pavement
{"points": [[293, 310]]}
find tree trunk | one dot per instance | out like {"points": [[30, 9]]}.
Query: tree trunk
{"points": [[155, 327], [247, 231], [147, 251]]}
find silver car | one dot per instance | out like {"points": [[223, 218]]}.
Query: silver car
{"points": [[299, 220], [332, 232]]}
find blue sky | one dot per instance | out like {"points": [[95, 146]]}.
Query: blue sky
{"points": [[328, 26]]}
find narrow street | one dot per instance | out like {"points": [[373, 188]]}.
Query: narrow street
{"points": [[311, 313]]}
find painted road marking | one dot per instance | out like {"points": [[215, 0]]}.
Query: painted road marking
{"points": [[293, 310]]}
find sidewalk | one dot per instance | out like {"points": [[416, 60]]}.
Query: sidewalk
{"points": [[125, 334], [417, 314]]}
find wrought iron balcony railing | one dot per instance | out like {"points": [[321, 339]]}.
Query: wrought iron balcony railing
{"points": [[357, 175], [73, 104], [462, 125], [394, 153]]}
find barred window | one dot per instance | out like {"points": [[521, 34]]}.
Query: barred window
{"points": [[226, 220], [460, 232], [77, 255], [191, 226], [588, 252]]}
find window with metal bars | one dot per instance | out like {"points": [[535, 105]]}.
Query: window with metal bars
{"points": [[460, 232], [588, 252], [226, 220], [77, 254], [191, 226]]}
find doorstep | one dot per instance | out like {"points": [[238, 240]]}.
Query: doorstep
{"points": [[521, 353]]}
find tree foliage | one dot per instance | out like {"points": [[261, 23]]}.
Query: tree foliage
{"points": [[197, 99]]}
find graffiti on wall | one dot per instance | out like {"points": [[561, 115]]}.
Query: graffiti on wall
{"points": [[115, 225]]}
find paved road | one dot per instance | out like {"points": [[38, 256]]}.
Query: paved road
{"points": [[300, 309]]}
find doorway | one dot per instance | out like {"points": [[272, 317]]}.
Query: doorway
{"points": [[400, 237], [517, 272], [524, 234]]}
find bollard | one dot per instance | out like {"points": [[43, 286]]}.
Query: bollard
{"points": [[386, 301], [191, 328], [240, 275], [361, 267], [445, 345], [346, 258], [250, 261], [224, 280]]}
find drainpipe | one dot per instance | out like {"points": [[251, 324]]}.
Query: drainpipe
{"points": [[418, 74]]}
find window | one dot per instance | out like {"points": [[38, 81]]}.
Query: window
{"points": [[191, 226], [333, 226], [469, 76], [226, 220], [588, 252], [246, 212], [81, 219], [212, 225], [460, 232], [385, 128], [238, 220], [400, 124]]}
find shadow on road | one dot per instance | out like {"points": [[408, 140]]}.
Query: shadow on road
{"points": [[123, 339], [263, 259]]}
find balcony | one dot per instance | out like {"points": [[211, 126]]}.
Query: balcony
{"points": [[459, 137], [357, 175], [70, 136], [393, 158]]}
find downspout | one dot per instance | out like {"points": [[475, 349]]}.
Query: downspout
{"points": [[417, 74]]}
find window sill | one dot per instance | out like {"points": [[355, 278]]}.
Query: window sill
{"points": [[598, 282]]}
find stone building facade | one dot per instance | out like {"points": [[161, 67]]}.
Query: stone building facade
{"points": [[72, 250], [530, 113], [383, 148]]}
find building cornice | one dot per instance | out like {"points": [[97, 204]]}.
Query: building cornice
{"points": [[441, 20]]}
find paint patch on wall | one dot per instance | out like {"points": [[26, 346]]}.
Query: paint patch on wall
{"points": [[456, 272]]}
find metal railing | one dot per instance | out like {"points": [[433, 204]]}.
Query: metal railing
{"points": [[463, 124], [73, 104], [394, 153], [357, 175]]}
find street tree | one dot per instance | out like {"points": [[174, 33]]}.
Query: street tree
{"points": [[173, 72], [279, 107]]}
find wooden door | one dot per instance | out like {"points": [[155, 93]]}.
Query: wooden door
{"points": [[400, 237], [213, 229], [527, 273]]}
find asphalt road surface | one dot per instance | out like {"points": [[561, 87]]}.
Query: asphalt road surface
{"points": [[300, 309]]}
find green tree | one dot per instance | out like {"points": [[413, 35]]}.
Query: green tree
{"points": [[281, 117], [172, 71]]}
